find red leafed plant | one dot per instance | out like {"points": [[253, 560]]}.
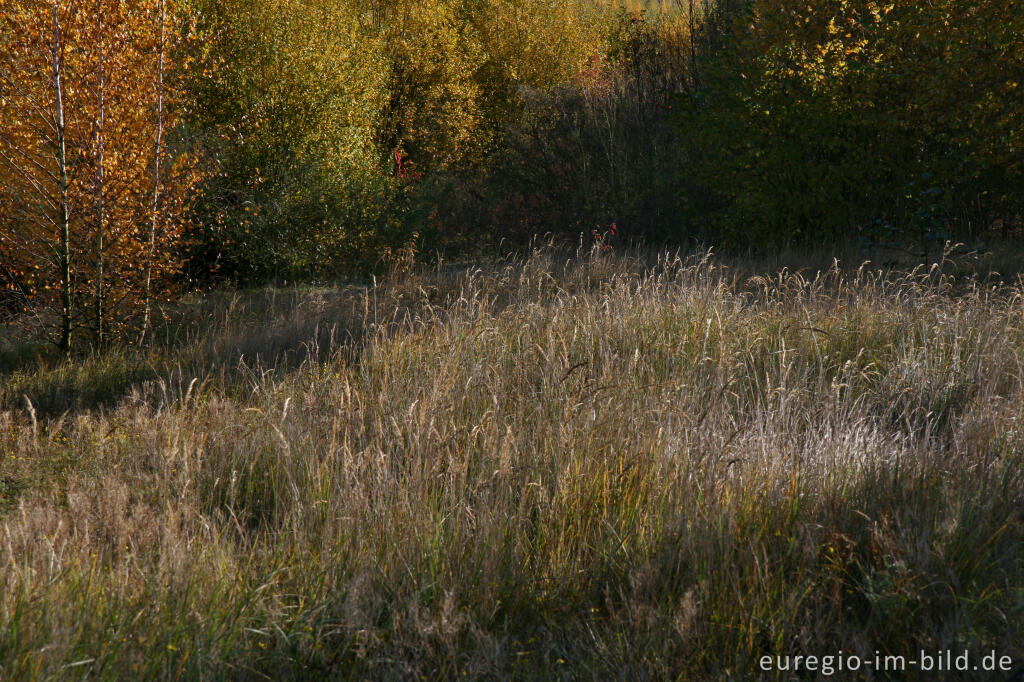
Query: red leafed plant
{"points": [[602, 240], [405, 169]]}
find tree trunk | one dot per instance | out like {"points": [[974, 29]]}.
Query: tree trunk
{"points": [[63, 218], [155, 210], [100, 207], [692, 28]]}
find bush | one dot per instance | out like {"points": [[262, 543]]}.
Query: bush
{"points": [[590, 143], [288, 101], [852, 118]]}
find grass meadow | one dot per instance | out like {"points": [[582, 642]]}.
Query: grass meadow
{"points": [[585, 465]]}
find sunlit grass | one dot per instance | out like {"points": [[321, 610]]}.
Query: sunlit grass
{"points": [[580, 465]]}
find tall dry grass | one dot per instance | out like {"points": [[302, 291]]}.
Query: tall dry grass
{"points": [[594, 466]]}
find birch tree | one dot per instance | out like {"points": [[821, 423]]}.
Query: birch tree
{"points": [[92, 198]]}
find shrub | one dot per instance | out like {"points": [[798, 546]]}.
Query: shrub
{"points": [[287, 102], [836, 119]]}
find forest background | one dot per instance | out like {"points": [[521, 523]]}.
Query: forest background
{"points": [[152, 146]]}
